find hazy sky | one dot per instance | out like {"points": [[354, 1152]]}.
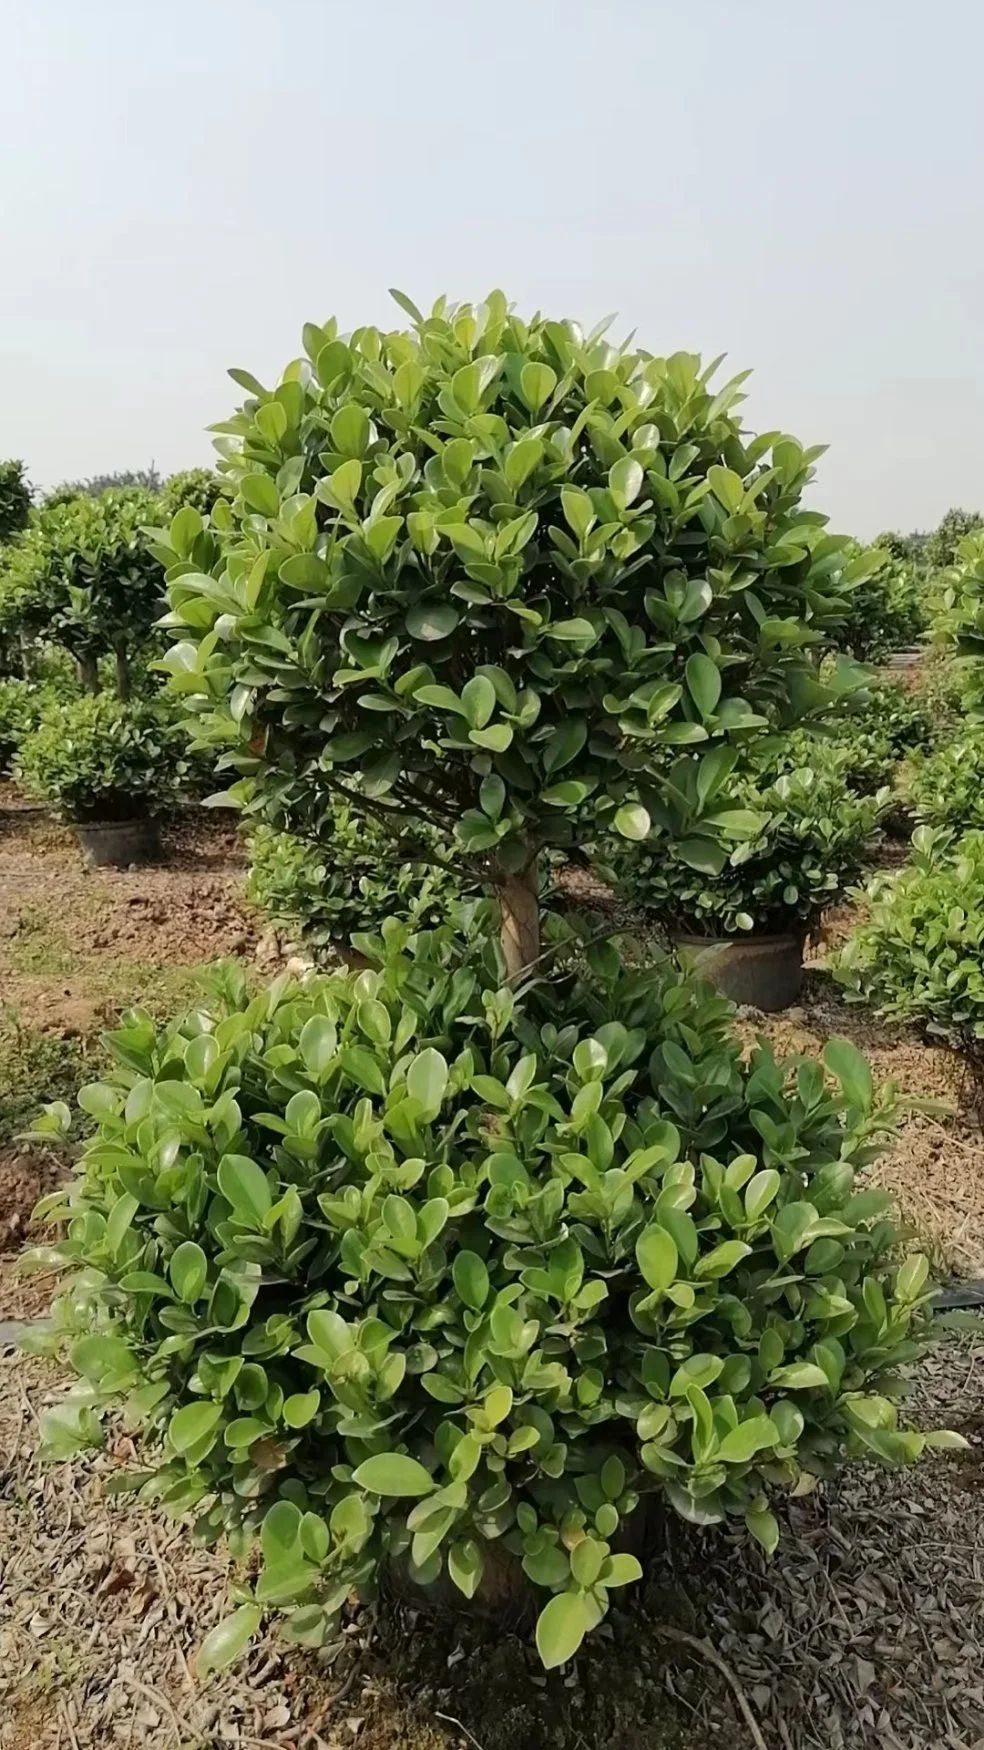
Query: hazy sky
{"points": [[800, 185]]}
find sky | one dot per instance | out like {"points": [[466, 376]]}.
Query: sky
{"points": [[800, 186]]}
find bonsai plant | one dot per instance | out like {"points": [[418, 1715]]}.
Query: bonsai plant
{"points": [[106, 768], [450, 1258], [774, 888]]}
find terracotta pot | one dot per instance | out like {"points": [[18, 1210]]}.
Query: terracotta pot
{"points": [[118, 843], [766, 972]]}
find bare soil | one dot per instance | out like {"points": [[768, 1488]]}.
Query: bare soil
{"points": [[865, 1630]]}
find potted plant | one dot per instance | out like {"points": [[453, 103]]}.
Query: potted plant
{"points": [[408, 1267], [749, 920], [105, 767]]}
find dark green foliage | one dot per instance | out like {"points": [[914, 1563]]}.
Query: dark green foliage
{"points": [[351, 882], [503, 575], [943, 544], [97, 758], [15, 500], [919, 955], [813, 842], [398, 1266]]}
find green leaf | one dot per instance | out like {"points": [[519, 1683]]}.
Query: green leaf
{"points": [[621, 1570], [244, 1185], [227, 1640], [572, 631], [301, 1408], [393, 1473], [465, 1565], [260, 494], [427, 1080], [565, 744], [721, 1260], [703, 683], [743, 1442], [702, 854], [497, 737], [430, 621], [478, 699], [799, 1376], [844, 1060], [632, 821], [727, 487], [625, 480], [188, 1270], [537, 382], [561, 1627], [656, 1256], [317, 1044], [471, 1279], [191, 1424], [521, 460], [764, 1527]]}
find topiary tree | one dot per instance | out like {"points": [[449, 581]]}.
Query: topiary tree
{"points": [[421, 1265], [508, 578], [84, 575], [15, 500]]}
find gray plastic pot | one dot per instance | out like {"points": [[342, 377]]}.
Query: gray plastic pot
{"points": [[115, 844], [766, 972]]}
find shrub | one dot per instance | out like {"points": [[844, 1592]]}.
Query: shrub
{"points": [[509, 575], [348, 882], [888, 609], [197, 487], [882, 726], [391, 1267], [947, 788], [919, 956], [98, 758], [812, 844]]}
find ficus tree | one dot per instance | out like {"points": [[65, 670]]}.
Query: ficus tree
{"points": [[84, 575], [506, 577]]}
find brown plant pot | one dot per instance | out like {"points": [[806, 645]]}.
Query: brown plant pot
{"points": [[115, 844], [765, 972]]}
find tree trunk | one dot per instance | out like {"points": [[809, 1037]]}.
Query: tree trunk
{"points": [[519, 917], [122, 674], [89, 672]]}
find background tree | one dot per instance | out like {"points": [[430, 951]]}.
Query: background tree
{"points": [[943, 544], [15, 500], [508, 578]]}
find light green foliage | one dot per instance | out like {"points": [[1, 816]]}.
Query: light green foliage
{"points": [[919, 956], [96, 758], [197, 487], [888, 610], [392, 1266], [962, 621], [811, 843], [359, 877], [947, 787], [501, 576]]}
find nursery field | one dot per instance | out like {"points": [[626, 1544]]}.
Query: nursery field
{"points": [[866, 1627]]}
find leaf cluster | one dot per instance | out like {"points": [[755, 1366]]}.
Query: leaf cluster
{"points": [[97, 758]]}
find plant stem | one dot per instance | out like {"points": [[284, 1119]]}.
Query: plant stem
{"points": [[518, 899]]}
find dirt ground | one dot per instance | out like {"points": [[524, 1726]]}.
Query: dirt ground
{"points": [[866, 1629]]}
